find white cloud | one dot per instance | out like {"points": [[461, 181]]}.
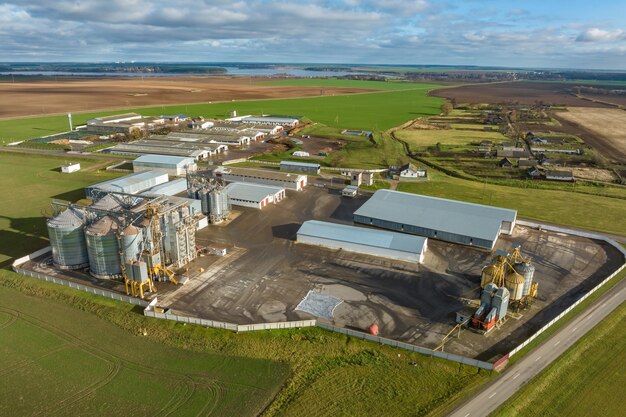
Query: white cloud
{"points": [[601, 35], [474, 37]]}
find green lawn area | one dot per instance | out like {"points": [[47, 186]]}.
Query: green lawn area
{"points": [[588, 380], [377, 111], [200, 367], [29, 183], [599, 213], [421, 138], [59, 360]]}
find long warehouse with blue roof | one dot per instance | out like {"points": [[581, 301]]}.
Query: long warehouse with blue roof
{"points": [[438, 218]]}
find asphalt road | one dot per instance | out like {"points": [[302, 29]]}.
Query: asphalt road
{"points": [[523, 371]]}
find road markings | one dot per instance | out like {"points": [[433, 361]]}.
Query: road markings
{"points": [[538, 357], [557, 343], [516, 375], [574, 329], [467, 415], [493, 395], [603, 304]]}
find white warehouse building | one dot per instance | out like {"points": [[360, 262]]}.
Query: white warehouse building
{"points": [[363, 240], [261, 176], [253, 195], [173, 165]]}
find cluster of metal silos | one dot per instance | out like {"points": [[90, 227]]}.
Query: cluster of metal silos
{"points": [[214, 203], [98, 244], [515, 273]]}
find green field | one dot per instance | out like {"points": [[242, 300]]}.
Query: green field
{"points": [[370, 111], [422, 138], [599, 213], [588, 380], [100, 343], [58, 360], [29, 183]]}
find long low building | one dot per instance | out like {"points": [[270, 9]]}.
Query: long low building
{"points": [[364, 240], [157, 146], [173, 165], [261, 176], [304, 167], [258, 196], [129, 184], [170, 188], [449, 220]]}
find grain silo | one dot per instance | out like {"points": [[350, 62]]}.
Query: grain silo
{"points": [[67, 239], [103, 248], [500, 302], [527, 270], [515, 284], [131, 239]]}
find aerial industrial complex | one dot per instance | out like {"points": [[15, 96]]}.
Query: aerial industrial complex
{"points": [[283, 243]]}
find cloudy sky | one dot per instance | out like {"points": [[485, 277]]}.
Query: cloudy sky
{"points": [[546, 33]]}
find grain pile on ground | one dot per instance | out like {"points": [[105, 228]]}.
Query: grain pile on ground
{"points": [[80, 94]]}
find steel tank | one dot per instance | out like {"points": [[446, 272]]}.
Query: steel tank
{"points": [[103, 248], [515, 284], [527, 270], [131, 239], [487, 275], [67, 239], [487, 294]]}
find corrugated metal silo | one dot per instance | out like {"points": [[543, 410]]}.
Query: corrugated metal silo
{"points": [[528, 271], [67, 239], [515, 284], [103, 248], [131, 238]]}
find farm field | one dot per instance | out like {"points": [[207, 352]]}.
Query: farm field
{"points": [[315, 358], [574, 385], [523, 92], [376, 111], [26, 98], [604, 214], [608, 125], [30, 182], [421, 138], [58, 360]]}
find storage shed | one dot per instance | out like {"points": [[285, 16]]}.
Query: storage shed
{"points": [[173, 165], [304, 167], [130, 184], [439, 218], [363, 240], [261, 176], [253, 195]]}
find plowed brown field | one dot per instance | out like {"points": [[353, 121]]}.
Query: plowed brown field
{"points": [[71, 95]]}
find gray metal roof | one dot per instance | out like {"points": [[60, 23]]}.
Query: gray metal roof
{"points": [[363, 236], [133, 183], [467, 219], [300, 164], [175, 161], [169, 188], [269, 119], [259, 173], [250, 192]]}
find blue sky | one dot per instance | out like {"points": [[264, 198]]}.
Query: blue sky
{"points": [[556, 34]]}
